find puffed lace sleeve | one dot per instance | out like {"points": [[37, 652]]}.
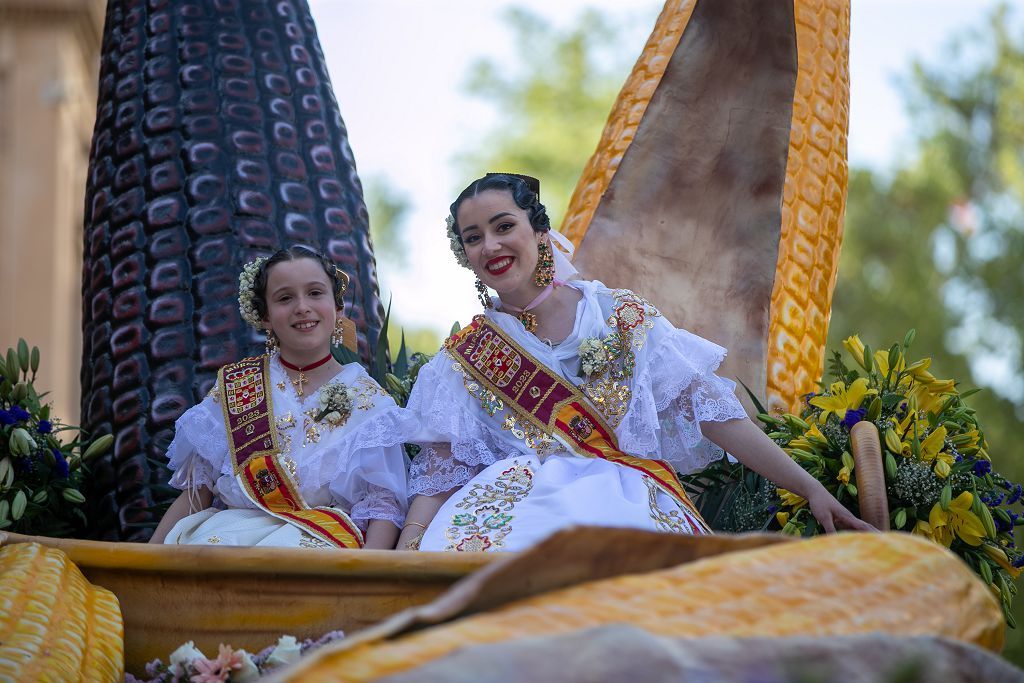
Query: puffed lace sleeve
{"points": [[676, 390], [456, 437], [199, 452], [364, 464]]}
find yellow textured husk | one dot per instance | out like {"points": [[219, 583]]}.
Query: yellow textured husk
{"points": [[831, 585], [813, 204], [54, 624]]}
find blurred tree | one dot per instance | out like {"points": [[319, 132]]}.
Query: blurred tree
{"points": [[553, 99], [938, 245], [388, 208]]}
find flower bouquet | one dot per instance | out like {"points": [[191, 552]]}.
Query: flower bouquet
{"points": [[40, 476], [189, 664], [939, 479]]}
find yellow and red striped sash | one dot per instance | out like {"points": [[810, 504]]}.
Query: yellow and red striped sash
{"points": [[541, 397], [255, 454]]}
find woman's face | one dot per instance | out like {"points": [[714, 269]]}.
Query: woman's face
{"points": [[499, 241], [300, 307]]}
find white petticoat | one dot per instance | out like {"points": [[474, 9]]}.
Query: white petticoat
{"points": [[518, 501], [240, 526]]}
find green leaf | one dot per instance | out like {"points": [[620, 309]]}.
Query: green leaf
{"points": [[753, 399], [455, 328], [401, 368], [381, 366]]}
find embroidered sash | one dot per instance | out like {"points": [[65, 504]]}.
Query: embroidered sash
{"points": [[537, 395], [255, 454]]}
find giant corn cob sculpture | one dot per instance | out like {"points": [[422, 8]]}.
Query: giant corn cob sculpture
{"points": [[217, 138], [719, 184]]}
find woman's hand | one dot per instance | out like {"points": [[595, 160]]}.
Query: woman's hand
{"points": [[832, 515], [753, 448]]}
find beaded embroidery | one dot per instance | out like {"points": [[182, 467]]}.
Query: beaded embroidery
{"points": [[487, 519]]}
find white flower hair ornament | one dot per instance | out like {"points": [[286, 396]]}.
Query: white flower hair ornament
{"points": [[247, 292], [456, 244]]}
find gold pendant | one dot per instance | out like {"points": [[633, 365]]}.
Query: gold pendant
{"points": [[298, 382], [529, 321]]}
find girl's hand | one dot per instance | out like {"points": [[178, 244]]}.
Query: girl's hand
{"points": [[832, 515]]}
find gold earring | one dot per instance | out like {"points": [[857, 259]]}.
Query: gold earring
{"points": [[338, 335], [272, 344], [481, 292], [544, 275]]}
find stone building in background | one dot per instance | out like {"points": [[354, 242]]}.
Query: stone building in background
{"points": [[49, 62]]}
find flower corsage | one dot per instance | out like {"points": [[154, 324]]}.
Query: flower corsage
{"points": [[335, 404], [594, 356]]}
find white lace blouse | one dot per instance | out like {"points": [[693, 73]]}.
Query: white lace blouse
{"points": [[359, 465], [671, 389]]}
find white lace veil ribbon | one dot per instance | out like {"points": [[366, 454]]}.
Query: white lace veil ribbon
{"points": [[561, 254]]}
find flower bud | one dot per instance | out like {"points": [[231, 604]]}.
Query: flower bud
{"points": [[73, 496], [18, 505], [900, 519], [892, 441], [98, 447]]}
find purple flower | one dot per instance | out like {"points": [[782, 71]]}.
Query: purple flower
{"points": [[982, 467], [1018, 491], [44, 427], [6, 418], [62, 465], [18, 413], [807, 398], [853, 417], [1001, 524], [1019, 562]]}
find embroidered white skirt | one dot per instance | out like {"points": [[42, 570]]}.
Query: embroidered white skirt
{"points": [[518, 501], [239, 526]]}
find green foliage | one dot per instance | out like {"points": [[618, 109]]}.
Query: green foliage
{"points": [[937, 242], [552, 100], [40, 476], [387, 208]]}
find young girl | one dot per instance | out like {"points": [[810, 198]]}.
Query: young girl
{"points": [[290, 448], [568, 402]]}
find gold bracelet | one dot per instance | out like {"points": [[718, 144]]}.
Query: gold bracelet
{"points": [[409, 524]]}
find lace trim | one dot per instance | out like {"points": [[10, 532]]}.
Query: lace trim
{"points": [[323, 465], [378, 503], [445, 414], [666, 418], [432, 472]]}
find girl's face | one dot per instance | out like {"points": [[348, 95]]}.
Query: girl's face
{"points": [[300, 307], [499, 241]]}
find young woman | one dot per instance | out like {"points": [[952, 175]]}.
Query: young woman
{"points": [[568, 402], [290, 448]]}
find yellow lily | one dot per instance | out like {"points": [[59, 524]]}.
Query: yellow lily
{"points": [[931, 449], [782, 518], [855, 347], [957, 521], [882, 361], [810, 440], [791, 500], [999, 555], [922, 528], [930, 397], [840, 399], [847, 469]]}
